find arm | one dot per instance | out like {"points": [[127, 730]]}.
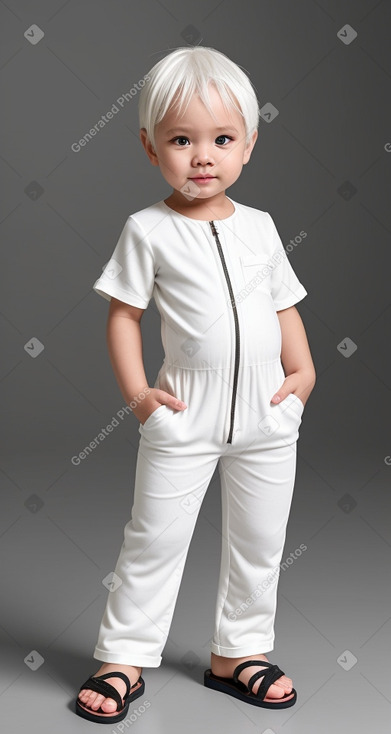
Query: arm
{"points": [[295, 356], [124, 341]]}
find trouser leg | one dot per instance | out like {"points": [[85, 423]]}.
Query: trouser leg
{"points": [[169, 487], [257, 487]]}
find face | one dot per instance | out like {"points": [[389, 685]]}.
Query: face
{"points": [[194, 146]]}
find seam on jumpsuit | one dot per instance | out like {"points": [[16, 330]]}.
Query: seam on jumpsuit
{"points": [[228, 574], [212, 368]]}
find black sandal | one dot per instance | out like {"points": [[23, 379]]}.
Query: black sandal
{"points": [[98, 683], [234, 687]]}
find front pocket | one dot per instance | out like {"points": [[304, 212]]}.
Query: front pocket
{"points": [[159, 428], [255, 273], [299, 401], [155, 414]]}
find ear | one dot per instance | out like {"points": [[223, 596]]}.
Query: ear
{"points": [[147, 145], [249, 147]]}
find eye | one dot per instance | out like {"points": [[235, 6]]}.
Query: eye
{"points": [[223, 136], [179, 137], [182, 140]]}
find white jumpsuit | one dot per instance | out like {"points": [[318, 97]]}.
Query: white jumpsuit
{"points": [[217, 286]]}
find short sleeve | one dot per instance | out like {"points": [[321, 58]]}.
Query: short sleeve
{"points": [[129, 275], [286, 289]]}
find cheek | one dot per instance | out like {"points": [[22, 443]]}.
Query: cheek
{"points": [[234, 160], [168, 166], [173, 163]]}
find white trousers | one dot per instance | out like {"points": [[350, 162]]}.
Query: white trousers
{"points": [[177, 456]]}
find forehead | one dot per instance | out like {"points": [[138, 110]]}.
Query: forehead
{"points": [[197, 115]]}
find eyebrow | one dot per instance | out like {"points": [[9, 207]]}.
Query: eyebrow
{"points": [[186, 128]]}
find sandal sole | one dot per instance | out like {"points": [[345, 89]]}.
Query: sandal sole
{"points": [[228, 686]]}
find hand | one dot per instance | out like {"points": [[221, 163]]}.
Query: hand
{"points": [[299, 383], [155, 399]]}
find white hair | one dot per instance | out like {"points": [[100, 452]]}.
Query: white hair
{"points": [[189, 70]]}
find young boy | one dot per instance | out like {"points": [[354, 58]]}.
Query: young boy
{"points": [[236, 375]]}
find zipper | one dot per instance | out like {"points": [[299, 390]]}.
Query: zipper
{"points": [[237, 333]]}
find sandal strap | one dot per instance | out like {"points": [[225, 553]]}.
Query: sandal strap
{"points": [[99, 685], [271, 676], [247, 664], [118, 674]]}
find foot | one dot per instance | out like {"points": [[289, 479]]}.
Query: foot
{"points": [[94, 700], [225, 667]]}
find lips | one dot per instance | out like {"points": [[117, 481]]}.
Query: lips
{"points": [[197, 178]]}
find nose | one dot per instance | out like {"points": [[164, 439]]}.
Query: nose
{"points": [[202, 156]]}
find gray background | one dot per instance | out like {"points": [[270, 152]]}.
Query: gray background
{"points": [[323, 166]]}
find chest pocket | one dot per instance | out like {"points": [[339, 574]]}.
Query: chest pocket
{"points": [[256, 274]]}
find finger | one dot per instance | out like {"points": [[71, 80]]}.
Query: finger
{"points": [[170, 400], [176, 404], [278, 396]]}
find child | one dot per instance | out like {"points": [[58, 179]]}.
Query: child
{"points": [[225, 291]]}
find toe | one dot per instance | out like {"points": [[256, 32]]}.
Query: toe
{"points": [[285, 683], [275, 692], [91, 699], [97, 702], [109, 705], [94, 701], [85, 695]]}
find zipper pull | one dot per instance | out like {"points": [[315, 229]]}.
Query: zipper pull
{"points": [[214, 230]]}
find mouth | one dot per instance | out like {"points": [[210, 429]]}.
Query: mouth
{"points": [[202, 178]]}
